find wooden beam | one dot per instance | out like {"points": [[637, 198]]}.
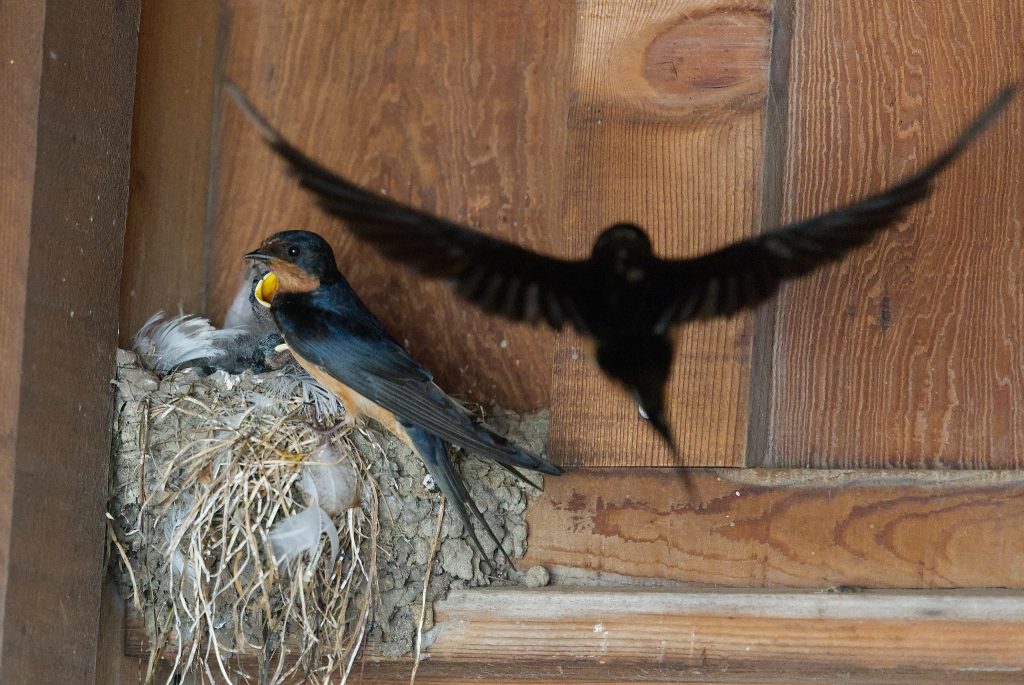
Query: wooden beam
{"points": [[724, 636], [717, 631], [74, 149], [665, 130], [773, 528], [113, 665], [166, 239], [20, 65], [576, 671], [907, 355]]}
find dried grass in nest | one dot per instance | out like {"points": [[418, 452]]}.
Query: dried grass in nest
{"points": [[216, 589], [205, 469]]}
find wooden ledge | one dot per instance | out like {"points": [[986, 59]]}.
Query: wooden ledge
{"points": [[877, 634], [713, 635], [764, 528]]}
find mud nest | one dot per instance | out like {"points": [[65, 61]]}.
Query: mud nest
{"points": [[261, 535]]}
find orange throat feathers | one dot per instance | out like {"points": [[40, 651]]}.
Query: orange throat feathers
{"points": [[284, 278]]}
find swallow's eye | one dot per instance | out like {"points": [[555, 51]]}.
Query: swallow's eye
{"points": [[293, 251]]}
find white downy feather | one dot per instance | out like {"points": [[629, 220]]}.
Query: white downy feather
{"points": [[332, 535], [174, 525], [182, 567], [166, 344], [330, 480], [294, 535]]}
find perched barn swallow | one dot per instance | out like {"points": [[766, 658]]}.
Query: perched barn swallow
{"points": [[623, 296], [333, 335]]}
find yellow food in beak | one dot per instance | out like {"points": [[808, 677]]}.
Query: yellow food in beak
{"points": [[266, 288]]}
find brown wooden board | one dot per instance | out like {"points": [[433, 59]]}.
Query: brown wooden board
{"points": [[20, 66], [665, 130], [74, 148], [113, 665], [773, 532], [908, 354], [774, 528], [575, 671], [165, 244], [457, 107], [788, 632], [725, 637]]}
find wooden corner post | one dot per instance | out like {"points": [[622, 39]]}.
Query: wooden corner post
{"points": [[66, 93]]}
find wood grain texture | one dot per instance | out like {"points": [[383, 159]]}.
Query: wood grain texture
{"points": [[576, 671], [718, 630], [907, 354], [773, 174], [458, 108], [665, 131], [165, 244], [74, 237], [722, 636], [550, 672], [775, 528], [113, 665], [20, 66]]}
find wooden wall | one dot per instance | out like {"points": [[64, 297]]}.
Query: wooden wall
{"points": [[407, 94], [542, 122], [908, 355], [68, 76], [19, 106], [706, 121], [166, 244], [666, 130]]}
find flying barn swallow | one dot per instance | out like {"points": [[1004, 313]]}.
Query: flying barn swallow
{"points": [[623, 295], [333, 335]]}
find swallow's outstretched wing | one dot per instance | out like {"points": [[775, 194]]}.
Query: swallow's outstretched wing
{"points": [[496, 275], [354, 349], [520, 284], [746, 273]]}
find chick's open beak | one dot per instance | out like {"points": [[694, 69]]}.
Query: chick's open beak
{"points": [[266, 288]]}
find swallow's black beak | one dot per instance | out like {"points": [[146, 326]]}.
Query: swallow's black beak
{"points": [[258, 255]]}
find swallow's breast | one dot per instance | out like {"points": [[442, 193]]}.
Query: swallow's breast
{"points": [[356, 405]]}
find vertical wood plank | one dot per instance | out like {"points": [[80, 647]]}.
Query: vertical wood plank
{"points": [[113, 665], [665, 130], [908, 354], [74, 237], [20, 66], [165, 243], [457, 107]]}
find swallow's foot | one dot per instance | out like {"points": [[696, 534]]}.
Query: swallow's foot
{"points": [[643, 414]]}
